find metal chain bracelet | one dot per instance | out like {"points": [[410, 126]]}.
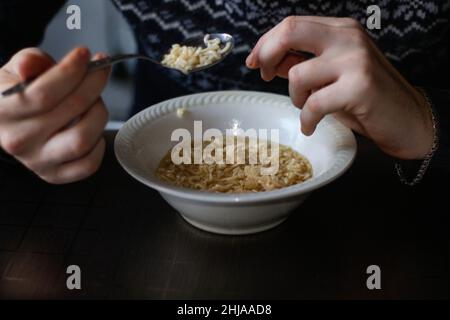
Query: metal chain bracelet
{"points": [[426, 161]]}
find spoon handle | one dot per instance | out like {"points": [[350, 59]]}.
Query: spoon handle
{"points": [[91, 67], [20, 87], [109, 61]]}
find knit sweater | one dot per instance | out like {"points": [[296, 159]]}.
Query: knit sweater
{"points": [[414, 36]]}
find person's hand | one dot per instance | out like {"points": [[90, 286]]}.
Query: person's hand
{"points": [[55, 127], [349, 78]]}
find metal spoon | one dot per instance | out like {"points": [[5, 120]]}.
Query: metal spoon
{"points": [[103, 63]]}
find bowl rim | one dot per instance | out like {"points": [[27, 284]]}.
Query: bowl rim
{"points": [[123, 144]]}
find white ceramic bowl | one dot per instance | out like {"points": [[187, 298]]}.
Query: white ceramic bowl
{"points": [[145, 138]]}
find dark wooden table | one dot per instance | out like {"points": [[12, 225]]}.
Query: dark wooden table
{"points": [[129, 243]]}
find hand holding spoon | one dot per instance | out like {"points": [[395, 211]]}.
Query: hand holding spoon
{"points": [[108, 61]]}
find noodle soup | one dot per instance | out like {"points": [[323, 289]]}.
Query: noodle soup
{"points": [[186, 58], [240, 176]]}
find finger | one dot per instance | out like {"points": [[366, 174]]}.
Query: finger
{"points": [[79, 169], [288, 62], [53, 86], [20, 138], [26, 64], [79, 101], [78, 140], [29, 63], [293, 33], [308, 76], [327, 100], [252, 61], [29, 134], [333, 21]]}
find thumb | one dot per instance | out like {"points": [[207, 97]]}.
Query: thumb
{"points": [[29, 63]]}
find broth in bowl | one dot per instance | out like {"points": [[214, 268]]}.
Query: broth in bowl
{"points": [[249, 169]]}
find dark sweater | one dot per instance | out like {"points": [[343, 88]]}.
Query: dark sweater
{"points": [[415, 37]]}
